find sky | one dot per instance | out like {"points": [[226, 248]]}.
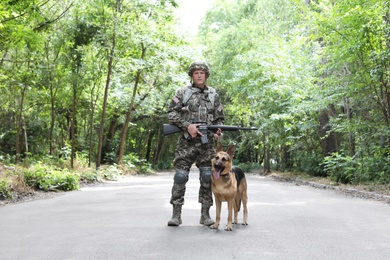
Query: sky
{"points": [[191, 12]]}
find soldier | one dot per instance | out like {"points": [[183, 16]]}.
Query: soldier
{"points": [[191, 105]]}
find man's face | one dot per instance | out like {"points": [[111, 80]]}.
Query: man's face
{"points": [[199, 78]]}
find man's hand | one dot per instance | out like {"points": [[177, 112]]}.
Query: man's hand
{"points": [[193, 130], [218, 134]]}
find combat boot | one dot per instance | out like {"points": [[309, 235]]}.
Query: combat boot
{"points": [[205, 218], [176, 216]]}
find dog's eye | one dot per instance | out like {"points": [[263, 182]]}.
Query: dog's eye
{"points": [[216, 157], [224, 159]]}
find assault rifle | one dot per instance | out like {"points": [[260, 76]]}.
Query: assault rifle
{"points": [[203, 128]]}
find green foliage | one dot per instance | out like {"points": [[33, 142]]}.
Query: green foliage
{"points": [[65, 152], [58, 77], [141, 165], [111, 173], [374, 169], [19, 23], [311, 75], [89, 176], [5, 191], [7, 159], [82, 159], [277, 65], [355, 170], [247, 167], [163, 165], [340, 168], [111, 157], [308, 163], [48, 178]]}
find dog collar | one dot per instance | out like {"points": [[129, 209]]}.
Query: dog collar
{"points": [[224, 175]]}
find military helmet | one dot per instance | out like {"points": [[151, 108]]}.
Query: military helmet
{"points": [[199, 65]]}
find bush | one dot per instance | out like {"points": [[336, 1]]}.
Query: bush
{"points": [[309, 163], [110, 157], [111, 173], [82, 159], [340, 168], [347, 169], [247, 167], [5, 191], [141, 165], [49, 179], [163, 165], [375, 169], [7, 159], [89, 176]]}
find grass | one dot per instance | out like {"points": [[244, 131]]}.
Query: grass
{"points": [[19, 181]]}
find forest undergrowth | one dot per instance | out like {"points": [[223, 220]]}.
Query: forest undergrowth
{"points": [[22, 184]]}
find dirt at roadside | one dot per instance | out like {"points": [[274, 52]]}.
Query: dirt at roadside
{"points": [[372, 192]]}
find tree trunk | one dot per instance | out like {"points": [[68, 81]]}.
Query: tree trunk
{"points": [[19, 125], [288, 164], [127, 122], [92, 119], [130, 110], [267, 160], [282, 159], [351, 139], [52, 119], [110, 135], [157, 150], [25, 139], [73, 121], [328, 143], [149, 146], [108, 79], [267, 155], [53, 93]]}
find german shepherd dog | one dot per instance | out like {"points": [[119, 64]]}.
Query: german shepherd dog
{"points": [[228, 184]]}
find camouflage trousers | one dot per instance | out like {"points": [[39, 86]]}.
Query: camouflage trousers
{"points": [[187, 153]]}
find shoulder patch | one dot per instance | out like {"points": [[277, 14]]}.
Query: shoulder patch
{"points": [[175, 99]]}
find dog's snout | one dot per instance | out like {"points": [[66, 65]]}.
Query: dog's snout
{"points": [[218, 164]]}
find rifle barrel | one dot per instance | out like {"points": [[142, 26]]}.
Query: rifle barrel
{"points": [[171, 129], [229, 128]]}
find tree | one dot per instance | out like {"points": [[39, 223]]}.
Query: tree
{"points": [[256, 50], [115, 16]]}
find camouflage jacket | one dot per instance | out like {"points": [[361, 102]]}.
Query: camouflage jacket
{"points": [[191, 105]]}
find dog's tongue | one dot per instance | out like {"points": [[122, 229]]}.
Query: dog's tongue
{"points": [[217, 174]]}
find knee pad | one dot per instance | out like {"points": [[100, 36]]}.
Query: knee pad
{"points": [[181, 177], [205, 174]]}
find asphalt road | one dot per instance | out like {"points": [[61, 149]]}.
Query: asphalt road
{"points": [[128, 220]]}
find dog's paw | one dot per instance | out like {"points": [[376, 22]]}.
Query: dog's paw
{"points": [[245, 224], [214, 226], [228, 228]]}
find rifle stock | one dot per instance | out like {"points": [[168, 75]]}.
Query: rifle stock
{"points": [[170, 129]]}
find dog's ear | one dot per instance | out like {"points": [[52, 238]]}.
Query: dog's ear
{"points": [[231, 151], [219, 147]]}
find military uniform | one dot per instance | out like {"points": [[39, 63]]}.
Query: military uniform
{"points": [[193, 105]]}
